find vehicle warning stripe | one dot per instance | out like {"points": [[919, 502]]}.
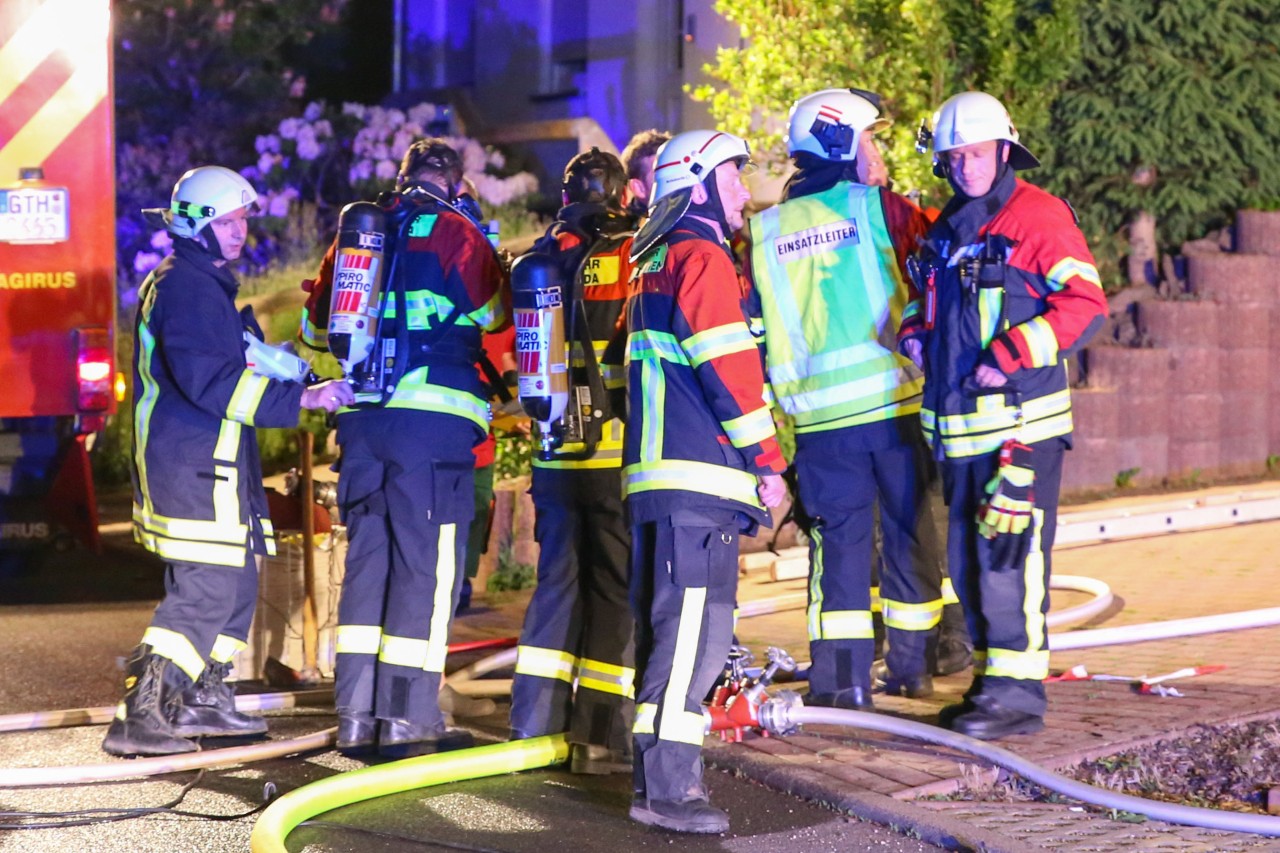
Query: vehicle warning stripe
{"points": [[84, 45], [39, 35], [54, 121]]}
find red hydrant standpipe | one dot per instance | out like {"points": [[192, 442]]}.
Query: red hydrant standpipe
{"points": [[735, 707]]}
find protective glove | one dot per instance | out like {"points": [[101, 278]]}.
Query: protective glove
{"points": [[1011, 493]]}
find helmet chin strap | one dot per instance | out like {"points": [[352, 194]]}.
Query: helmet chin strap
{"points": [[713, 207], [211, 244]]}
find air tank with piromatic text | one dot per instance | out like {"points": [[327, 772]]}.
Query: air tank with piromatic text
{"points": [[357, 284]]}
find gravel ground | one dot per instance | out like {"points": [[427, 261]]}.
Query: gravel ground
{"points": [[1230, 767], [1222, 767]]}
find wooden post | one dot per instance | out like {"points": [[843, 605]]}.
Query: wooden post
{"points": [[310, 628]]}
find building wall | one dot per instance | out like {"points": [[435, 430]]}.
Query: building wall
{"points": [[624, 65]]}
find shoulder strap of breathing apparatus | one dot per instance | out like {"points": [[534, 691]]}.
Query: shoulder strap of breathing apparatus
{"points": [[400, 351]]}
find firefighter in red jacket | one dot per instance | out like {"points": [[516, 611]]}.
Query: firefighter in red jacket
{"points": [[1010, 291], [578, 627], [198, 497], [405, 484], [700, 464]]}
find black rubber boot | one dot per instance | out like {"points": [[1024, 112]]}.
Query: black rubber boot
{"points": [[208, 708], [402, 739], [594, 760], [694, 816], [989, 720], [916, 686], [955, 648], [357, 733], [142, 725]]}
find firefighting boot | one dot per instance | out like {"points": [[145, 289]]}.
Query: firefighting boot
{"points": [[357, 733], [208, 708], [594, 760], [404, 739], [691, 816], [955, 648], [142, 725]]}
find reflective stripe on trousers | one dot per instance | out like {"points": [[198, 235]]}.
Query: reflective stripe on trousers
{"points": [[684, 585]]}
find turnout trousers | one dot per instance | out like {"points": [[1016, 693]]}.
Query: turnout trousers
{"points": [[205, 614], [406, 494], [1003, 583], [578, 626], [842, 473], [684, 587]]}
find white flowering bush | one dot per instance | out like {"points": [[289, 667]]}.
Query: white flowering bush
{"points": [[327, 157], [311, 165]]}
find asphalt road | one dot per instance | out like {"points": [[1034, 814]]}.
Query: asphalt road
{"points": [[65, 622]]}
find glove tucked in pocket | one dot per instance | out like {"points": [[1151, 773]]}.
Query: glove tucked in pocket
{"points": [[1011, 493]]}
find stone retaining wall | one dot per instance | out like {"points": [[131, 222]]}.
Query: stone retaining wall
{"points": [[1204, 400]]}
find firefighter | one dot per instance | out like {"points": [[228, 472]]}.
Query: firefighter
{"points": [[700, 464], [405, 482], [578, 626], [637, 159], [955, 649], [828, 268], [198, 501], [1010, 292]]}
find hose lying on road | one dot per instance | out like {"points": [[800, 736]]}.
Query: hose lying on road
{"points": [[30, 721], [306, 802], [783, 714], [1101, 600], [104, 713], [114, 771], [1168, 629]]}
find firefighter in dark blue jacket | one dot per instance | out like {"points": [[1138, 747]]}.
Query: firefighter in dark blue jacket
{"points": [[578, 627], [700, 464], [406, 479], [198, 497]]}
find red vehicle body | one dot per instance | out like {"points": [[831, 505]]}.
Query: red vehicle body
{"points": [[57, 265]]}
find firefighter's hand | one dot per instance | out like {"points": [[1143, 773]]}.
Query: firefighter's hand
{"points": [[329, 396], [987, 376], [772, 490], [914, 350]]}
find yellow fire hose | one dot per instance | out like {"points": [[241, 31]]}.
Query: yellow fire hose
{"points": [[284, 815]]}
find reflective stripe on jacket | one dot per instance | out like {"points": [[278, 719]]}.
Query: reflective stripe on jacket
{"points": [[832, 296], [698, 427], [1046, 304]]}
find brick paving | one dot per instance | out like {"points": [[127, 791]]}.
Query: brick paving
{"points": [[1168, 577]]}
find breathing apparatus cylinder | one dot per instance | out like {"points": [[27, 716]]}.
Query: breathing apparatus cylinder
{"points": [[355, 304], [539, 297]]}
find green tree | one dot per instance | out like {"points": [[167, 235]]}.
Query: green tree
{"points": [[914, 53], [1174, 108]]}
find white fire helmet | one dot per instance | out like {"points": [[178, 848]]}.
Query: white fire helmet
{"points": [[829, 124], [687, 158], [204, 194], [972, 117]]}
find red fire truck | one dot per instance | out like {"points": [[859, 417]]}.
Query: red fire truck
{"points": [[57, 266]]}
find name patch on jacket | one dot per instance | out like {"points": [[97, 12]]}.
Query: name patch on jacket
{"points": [[816, 240]]}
